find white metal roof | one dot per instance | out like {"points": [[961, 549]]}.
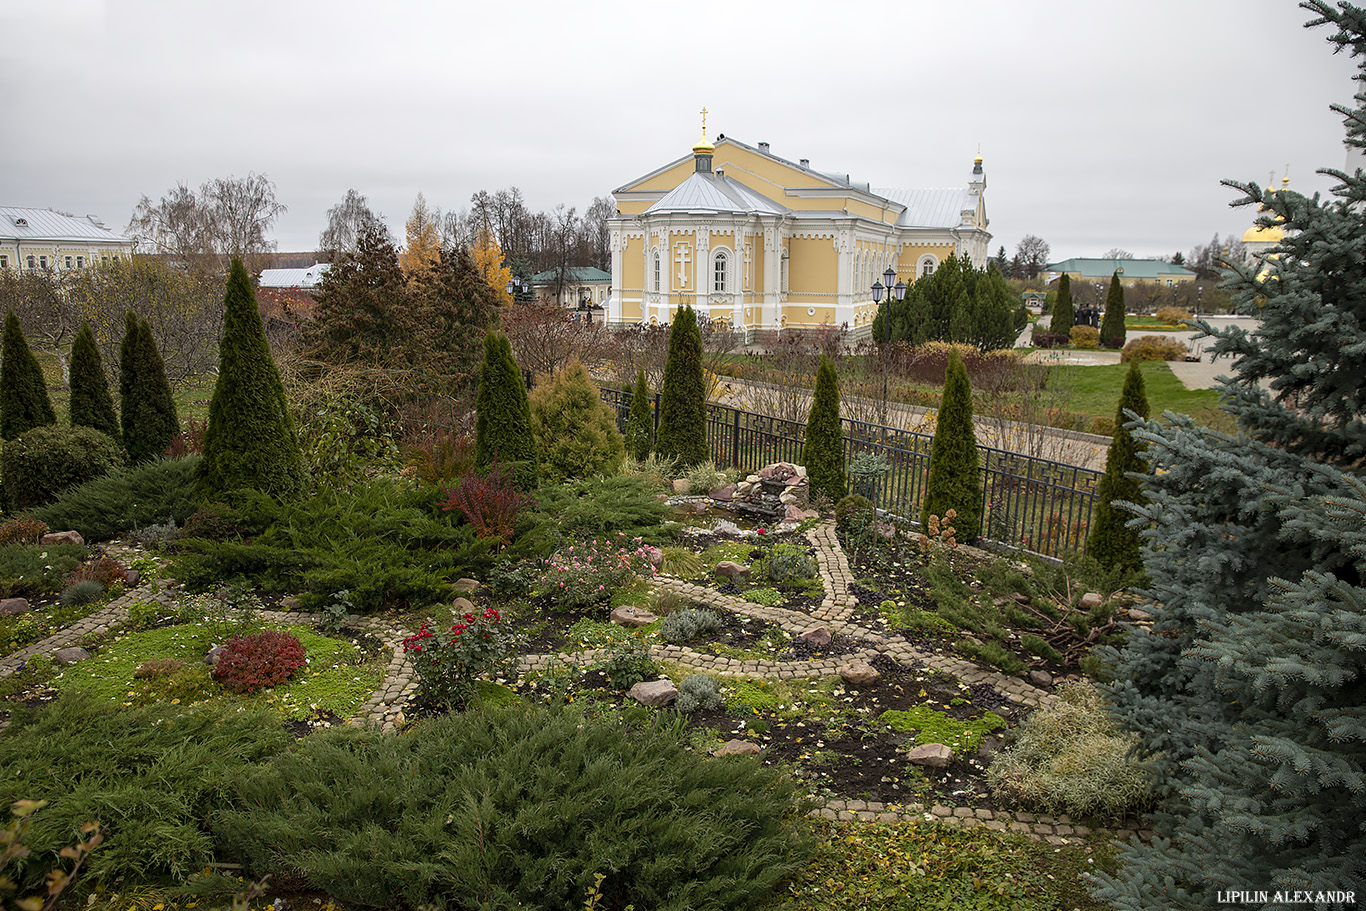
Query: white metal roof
{"points": [[294, 278], [934, 208], [703, 192], [44, 224]]}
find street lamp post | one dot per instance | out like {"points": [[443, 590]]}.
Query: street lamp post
{"points": [[897, 292], [517, 286]]}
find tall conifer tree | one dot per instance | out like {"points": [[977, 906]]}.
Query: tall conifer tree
{"points": [[1112, 330], [147, 408], [1064, 314], [502, 426], [639, 426], [683, 401], [250, 441], [823, 451], [24, 403], [955, 482], [91, 403], [1247, 690], [1111, 541]]}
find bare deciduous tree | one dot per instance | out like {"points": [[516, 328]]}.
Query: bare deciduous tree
{"points": [[202, 231], [545, 337], [1031, 254], [345, 223]]}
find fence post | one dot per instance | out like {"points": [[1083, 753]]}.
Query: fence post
{"points": [[735, 441]]}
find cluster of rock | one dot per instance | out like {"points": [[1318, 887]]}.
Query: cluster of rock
{"points": [[780, 491]]}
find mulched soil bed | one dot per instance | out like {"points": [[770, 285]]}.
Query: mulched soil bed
{"points": [[856, 756]]}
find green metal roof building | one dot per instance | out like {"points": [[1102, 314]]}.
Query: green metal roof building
{"points": [[1130, 270]]}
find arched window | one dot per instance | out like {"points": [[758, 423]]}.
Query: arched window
{"points": [[654, 286], [927, 266], [720, 265]]}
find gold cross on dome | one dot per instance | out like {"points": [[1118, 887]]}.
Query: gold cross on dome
{"points": [[704, 121]]}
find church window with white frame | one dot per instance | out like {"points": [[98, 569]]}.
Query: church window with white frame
{"points": [[654, 281], [720, 272], [927, 266]]}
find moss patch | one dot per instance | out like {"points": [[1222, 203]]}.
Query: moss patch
{"points": [[768, 597], [332, 682], [932, 726], [586, 633]]}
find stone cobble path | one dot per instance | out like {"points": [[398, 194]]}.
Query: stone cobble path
{"points": [[103, 620], [834, 613]]}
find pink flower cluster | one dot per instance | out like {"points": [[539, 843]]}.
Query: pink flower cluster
{"points": [[583, 574]]}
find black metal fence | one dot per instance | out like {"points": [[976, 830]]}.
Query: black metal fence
{"points": [[1028, 503]]}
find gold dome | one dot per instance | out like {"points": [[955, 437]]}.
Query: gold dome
{"points": [[1262, 235], [703, 146]]}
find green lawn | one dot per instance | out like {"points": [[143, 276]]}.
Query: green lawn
{"points": [[1095, 392]]}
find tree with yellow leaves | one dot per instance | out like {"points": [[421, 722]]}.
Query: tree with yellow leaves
{"points": [[422, 251], [488, 259]]}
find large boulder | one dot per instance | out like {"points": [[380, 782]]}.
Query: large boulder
{"points": [[819, 637], [933, 755], [62, 537], [629, 616], [859, 673], [11, 606], [737, 748], [657, 693], [731, 570], [70, 655]]}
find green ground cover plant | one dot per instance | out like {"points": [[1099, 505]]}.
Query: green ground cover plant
{"points": [[135, 496], [337, 679], [497, 807], [388, 543], [151, 775], [593, 507], [924, 866], [33, 570], [590, 633]]}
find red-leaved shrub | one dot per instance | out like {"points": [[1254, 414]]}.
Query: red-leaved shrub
{"points": [[490, 502], [22, 531], [106, 570], [258, 661], [189, 441]]}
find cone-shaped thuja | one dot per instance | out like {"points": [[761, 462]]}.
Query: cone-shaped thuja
{"points": [[91, 403], [24, 403], [250, 441], [955, 482], [1110, 541]]}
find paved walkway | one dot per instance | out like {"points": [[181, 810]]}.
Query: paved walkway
{"points": [[385, 707]]}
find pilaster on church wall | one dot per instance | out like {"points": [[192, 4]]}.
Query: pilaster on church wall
{"points": [[844, 278]]}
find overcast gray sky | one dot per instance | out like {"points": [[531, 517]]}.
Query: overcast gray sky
{"points": [[1102, 124]]}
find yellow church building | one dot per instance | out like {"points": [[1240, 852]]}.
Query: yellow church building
{"points": [[760, 243]]}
